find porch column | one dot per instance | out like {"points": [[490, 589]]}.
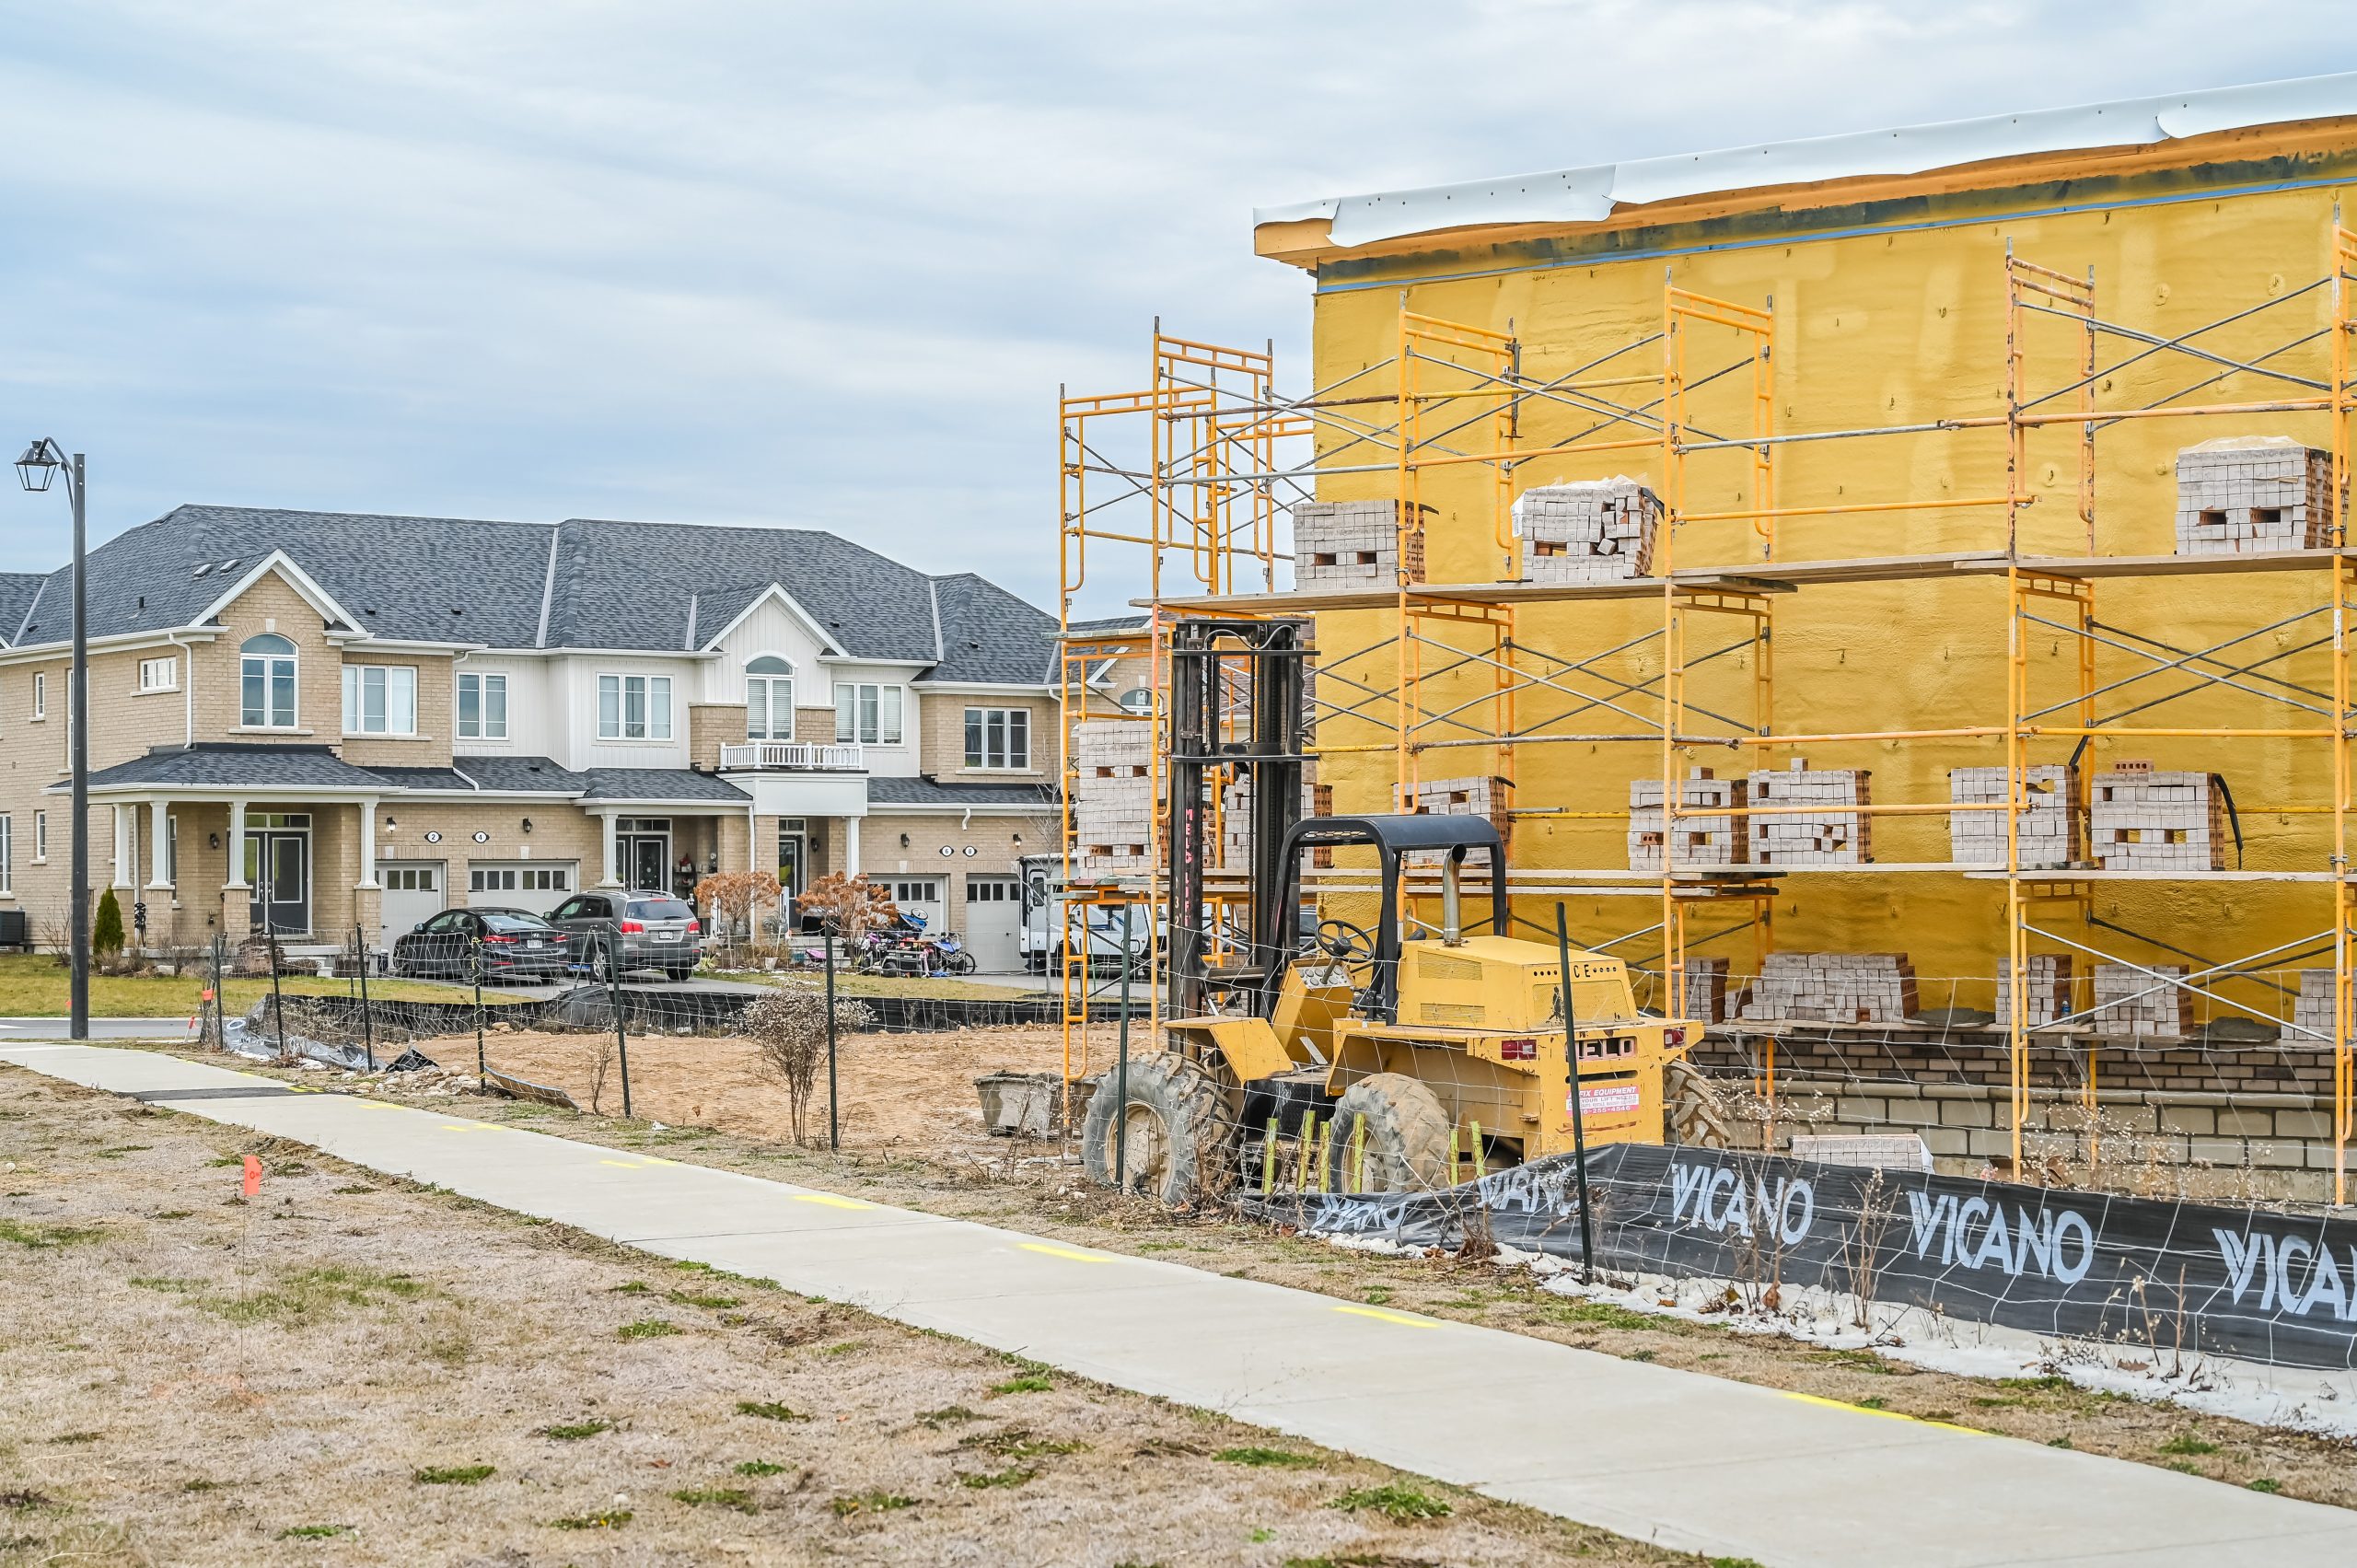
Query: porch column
{"points": [[126, 859], [367, 846], [613, 877], [159, 842], [236, 881], [850, 846]]}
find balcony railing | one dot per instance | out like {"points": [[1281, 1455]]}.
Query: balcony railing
{"points": [[796, 755]]}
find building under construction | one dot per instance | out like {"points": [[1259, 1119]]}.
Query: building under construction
{"points": [[1891, 587]]}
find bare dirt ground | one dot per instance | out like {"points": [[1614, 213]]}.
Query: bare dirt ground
{"points": [[911, 1136], [352, 1370]]}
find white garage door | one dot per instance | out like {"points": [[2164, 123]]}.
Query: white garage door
{"points": [[919, 896], [413, 895], [994, 916], [538, 886]]}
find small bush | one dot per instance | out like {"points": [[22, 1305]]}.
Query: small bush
{"points": [[768, 1409], [649, 1328], [106, 931], [1395, 1503], [454, 1475], [1266, 1458]]}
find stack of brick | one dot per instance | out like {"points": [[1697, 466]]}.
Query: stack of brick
{"points": [[1112, 805], [2148, 820], [1461, 798], [2048, 987], [1706, 990], [2313, 1011], [1829, 836], [1698, 840], [1849, 988], [2255, 493], [2130, 1001], [1353, 544], [1593, 532], [1236, 822], [1977, 837]]}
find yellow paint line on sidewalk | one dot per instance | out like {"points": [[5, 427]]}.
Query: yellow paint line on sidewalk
{"points": [[1380, 1316], [830, 1200], [1869, 1410], [1073, 1253]]}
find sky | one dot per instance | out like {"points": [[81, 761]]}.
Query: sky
{"points": [[819, 266]]}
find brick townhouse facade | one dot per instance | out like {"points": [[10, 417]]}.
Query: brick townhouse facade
{"points": [[329, 721]]}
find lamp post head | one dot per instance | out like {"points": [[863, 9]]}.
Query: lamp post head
{"points": [[38, 467]]}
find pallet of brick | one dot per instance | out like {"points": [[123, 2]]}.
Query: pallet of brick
{"points": [[1236, 822], [2049, 795], [2144, 818], [1715, 840], [1354, 544], [1705, 999], [2130, 1001], [1592, 532], [2250, 494], [1822, 835], [2048, 988], [2312, 1014], [1848, 988]]}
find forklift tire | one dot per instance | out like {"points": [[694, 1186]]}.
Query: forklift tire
{"points": [[1407, 1138], [1696, 1115], [1177, 1129]]}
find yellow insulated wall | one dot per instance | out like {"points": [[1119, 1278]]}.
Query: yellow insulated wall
{"points": [[1888, 309]]}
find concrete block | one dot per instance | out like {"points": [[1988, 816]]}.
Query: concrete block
{"points": [[2277, 1154], [1948, 1142], [2231, 1152], [1967, 1113], [1989, 1140], [1866, 1112]]}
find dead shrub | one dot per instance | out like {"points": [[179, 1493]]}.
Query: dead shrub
{"points": [[789, 1027]]}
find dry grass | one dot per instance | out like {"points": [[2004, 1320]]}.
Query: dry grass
{"points": [[353, 1371]]}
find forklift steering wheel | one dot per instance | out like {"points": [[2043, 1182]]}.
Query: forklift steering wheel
{"points": [[1346, 943]]}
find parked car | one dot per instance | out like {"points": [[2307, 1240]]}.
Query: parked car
{"points": [[637, 930], [509, 943]]}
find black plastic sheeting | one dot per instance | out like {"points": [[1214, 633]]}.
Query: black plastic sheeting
{"points": [[2263, 1286]]}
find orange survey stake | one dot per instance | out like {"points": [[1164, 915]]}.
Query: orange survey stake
{"points": [[253, 1176]]}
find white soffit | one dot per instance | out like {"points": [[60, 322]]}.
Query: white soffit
{"points": [[1592, 194]]}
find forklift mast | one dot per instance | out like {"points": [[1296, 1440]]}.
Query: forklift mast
{"points": [[1211, 663]]}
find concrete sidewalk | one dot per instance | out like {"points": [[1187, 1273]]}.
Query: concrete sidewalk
{"points": [[1691, 1462]]}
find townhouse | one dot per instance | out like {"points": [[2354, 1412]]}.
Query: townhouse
{"points": [[321, 721]]}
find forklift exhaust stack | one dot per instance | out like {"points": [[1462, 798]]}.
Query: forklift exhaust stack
{"points": [[1452, 921]]}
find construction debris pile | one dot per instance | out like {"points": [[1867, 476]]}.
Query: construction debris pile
{"points": [[2248, 493], [1592, 532]]}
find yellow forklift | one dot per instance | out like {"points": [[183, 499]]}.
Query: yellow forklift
{"points": [[1400, 1046]]}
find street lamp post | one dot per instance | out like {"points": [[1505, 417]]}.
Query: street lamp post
{"points": [[40, 465]]}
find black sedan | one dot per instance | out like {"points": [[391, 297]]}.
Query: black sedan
{"points": [[507, 943]]}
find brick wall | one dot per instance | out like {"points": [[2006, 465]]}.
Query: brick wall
{"points": [[942, 750]]}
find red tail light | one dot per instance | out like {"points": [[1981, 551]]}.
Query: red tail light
{"points": [[633, 928], [496, 938], [695, 928]]}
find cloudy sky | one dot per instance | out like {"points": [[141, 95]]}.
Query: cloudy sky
{"points": [[824, 266]]}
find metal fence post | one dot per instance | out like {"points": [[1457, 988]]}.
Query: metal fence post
{"points": [[474, 965], [277, 997], [614, 992], [834, 1122], [1579, 1117], [367, 1021], [1121, 1068]]}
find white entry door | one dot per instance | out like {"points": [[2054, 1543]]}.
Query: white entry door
{"points": [[994, 917], [413, 895]]}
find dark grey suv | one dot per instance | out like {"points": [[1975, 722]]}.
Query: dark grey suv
{"points": [[637, 930]]}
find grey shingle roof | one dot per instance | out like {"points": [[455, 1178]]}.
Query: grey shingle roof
{"points": [[933, 792], [521, 774], [622, 585], [655, 586], [399, 576], [989, 635], [18, 591], [228, 765], [661, 784]]}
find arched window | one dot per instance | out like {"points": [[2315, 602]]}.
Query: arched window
{"points": [[769, 699], [268, 668]]}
